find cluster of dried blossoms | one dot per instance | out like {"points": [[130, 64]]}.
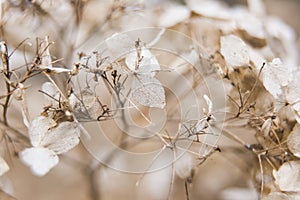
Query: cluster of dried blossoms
{"points": [[253, 54]]}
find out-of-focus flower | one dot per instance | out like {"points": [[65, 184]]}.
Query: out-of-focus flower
{"points": [[3, 166]]}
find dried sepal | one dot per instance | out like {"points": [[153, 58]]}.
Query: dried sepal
{"points": [[293, 95], [210, 9], [293, 141], [235, 51], [148, 91], [282, 41], [39, 128], [39, 159], [48, 140], [275, 77], [3, 166], [146, 64], [287, 177], [51, 93], [62, 138], [239, 193], [173, 14], [256, 7], [119, 44]]}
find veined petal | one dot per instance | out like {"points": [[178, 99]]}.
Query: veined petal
{"points": [[148, 91], [38, 129], [62, 138]]}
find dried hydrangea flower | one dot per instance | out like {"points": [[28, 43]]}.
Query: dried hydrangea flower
{"points": [[48, 141], [143, 65]]}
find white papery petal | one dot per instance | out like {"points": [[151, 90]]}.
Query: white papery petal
{"points": [[148, 91], [3, 166], [209, 8], [52, 91], [256, 57], [288, 176], [39, 159], [296, 111], [235, 51], [235, 193], [184, 165], [85, 107], [275, 77], [293, 89], [62, 138], [249, 23], [148, 64], [38, 129], [293, 141], [119, 44], [256, 7], [172, 15], [285, 37]]}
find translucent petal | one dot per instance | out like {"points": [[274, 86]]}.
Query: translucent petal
{"points": [[252, 25], [296, 111], [62, 138], [283, 41], [148, 64], [119, 44], [235, 51], [235, 193], [293, 140], [148, 91], [256, 7], [275, 77], [52, 91], [172, 15], [293, 88], [213, 9], [39, 159], [288, 176], [38, 129], [3, 166], [85, 107]]}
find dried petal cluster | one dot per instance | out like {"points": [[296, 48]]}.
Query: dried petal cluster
{"points": [[143, 66], [254, 55]]}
